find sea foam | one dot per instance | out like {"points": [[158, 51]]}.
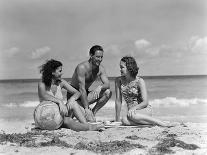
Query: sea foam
{"points": [[166, 102]]}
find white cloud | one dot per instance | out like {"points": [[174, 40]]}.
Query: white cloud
{"points": [[198, 45], [113, 50], [10, 52], [38, 53], [140, 44]]}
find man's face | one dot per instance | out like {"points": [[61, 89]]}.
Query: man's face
{"points": [[97, 58]]}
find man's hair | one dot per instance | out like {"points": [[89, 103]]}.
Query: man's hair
{"points": [[131, 65], [94, 49], [47, 69]]}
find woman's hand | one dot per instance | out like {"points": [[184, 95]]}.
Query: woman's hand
{"points": [[63, 109], [131, 112]]}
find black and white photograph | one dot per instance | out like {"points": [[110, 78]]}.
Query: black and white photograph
{"points": [[99, 77]]}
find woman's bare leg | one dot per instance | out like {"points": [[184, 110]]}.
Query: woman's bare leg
{"points": [[140, 117], [77, 126], [127, 121]]}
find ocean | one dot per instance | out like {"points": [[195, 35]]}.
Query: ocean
{"points": [[173, 98]]}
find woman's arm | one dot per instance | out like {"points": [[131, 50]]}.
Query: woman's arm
{"points": [[43, 95], [69, 88], [118, 100]]}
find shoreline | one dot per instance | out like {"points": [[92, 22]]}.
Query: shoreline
{"points": [[190, 138]]}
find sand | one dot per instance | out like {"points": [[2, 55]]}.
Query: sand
{"points": [[190, 138]]}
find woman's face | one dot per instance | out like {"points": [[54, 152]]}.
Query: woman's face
{"points": [[123, 68], [58, 73]]}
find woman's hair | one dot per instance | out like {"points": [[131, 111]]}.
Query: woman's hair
{"points": [[47, 69], [131, 65]]}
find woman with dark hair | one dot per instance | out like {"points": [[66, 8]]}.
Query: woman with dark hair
{"points": [[52, 113], [134, 92]]}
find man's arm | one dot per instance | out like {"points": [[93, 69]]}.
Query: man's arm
{"points": [[118, 101], [104, 79], [80, 70], [105, 83]]}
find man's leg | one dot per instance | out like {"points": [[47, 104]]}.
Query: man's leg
{"points": [[75, 109], [101, 101]]}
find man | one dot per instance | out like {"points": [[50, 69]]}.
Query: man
{"points": [[85, 74]]}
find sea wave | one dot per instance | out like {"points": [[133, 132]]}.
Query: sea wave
{"points": [[25, 104], [164, 102], [173, 101]]}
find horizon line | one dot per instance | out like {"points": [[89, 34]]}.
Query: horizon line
{"points": [[110, 77]]}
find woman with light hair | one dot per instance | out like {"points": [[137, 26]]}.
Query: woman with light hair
{"points": [[132, 88]]}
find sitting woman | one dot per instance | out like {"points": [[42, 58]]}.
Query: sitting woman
{"points": [[52, 113], [133, 90]]}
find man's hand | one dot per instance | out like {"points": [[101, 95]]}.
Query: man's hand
{"points": [[96, 92], [63, 109]]}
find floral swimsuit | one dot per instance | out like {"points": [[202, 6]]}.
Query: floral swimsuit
{"points": [[132, 93]]}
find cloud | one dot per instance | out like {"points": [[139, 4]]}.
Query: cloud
{"points": [[165, 51], [198, 45], [11, 52], [113, 50], [38, 53], [141, 44]]}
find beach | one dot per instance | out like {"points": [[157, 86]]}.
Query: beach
{"points": [[108, 47], [188, 138], [175, 99]]}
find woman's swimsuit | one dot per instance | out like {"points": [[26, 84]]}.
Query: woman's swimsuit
{"points": [[132, 93], [58, 93]]}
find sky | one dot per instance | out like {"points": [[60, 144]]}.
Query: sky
{"points": [[166, 37]]}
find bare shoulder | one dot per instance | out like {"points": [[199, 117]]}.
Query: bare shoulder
{"points": [[140, 81], [82, 67], [41, 85]]}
